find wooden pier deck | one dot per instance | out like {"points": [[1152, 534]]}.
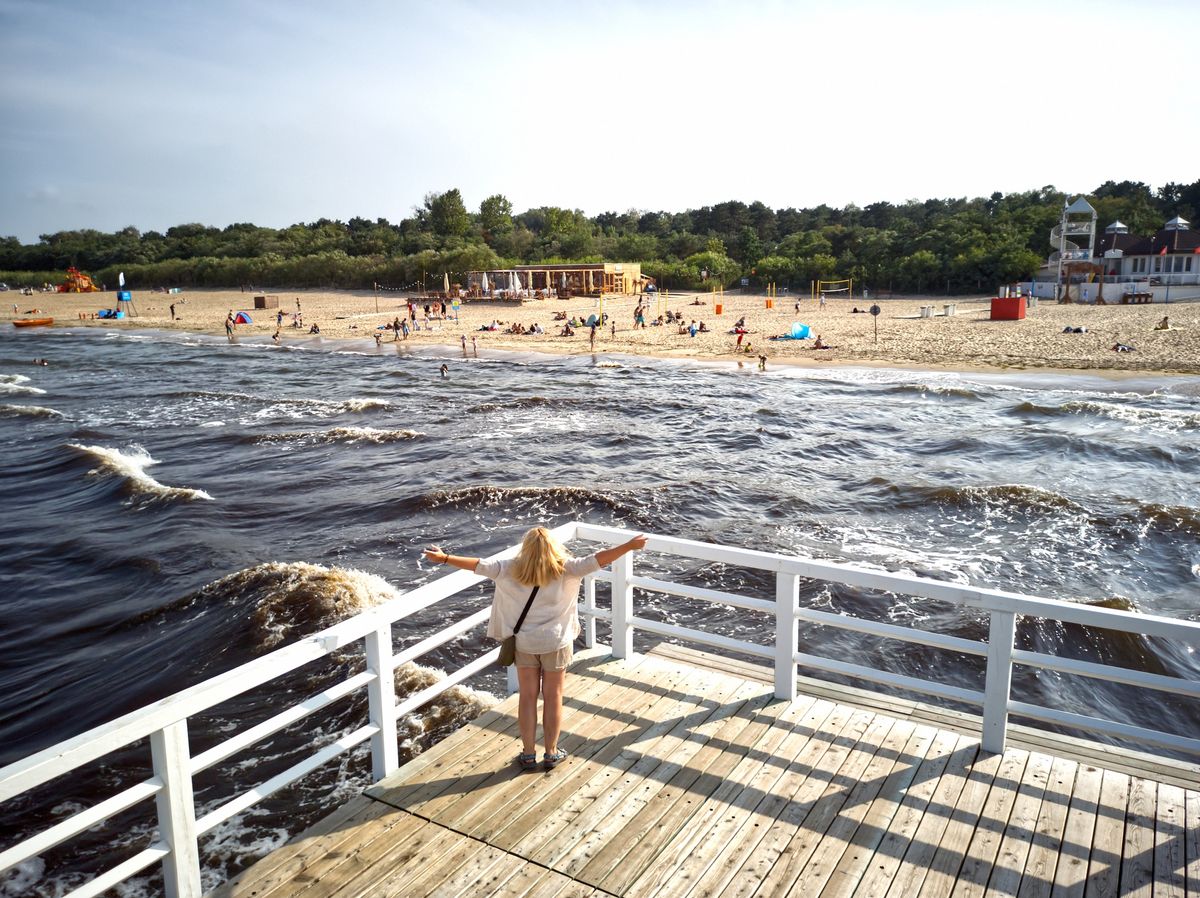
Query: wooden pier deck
{"points": [[691, 780]]}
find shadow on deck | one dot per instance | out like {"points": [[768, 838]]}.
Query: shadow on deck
{"points": [[687, 777]]}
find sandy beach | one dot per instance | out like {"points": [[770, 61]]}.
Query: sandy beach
{"points": [[966, 339]]}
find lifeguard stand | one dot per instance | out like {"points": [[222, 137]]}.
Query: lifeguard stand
{"points": [[1078, 222]]}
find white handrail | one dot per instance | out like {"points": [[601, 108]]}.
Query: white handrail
{"points": [[166, 721]]}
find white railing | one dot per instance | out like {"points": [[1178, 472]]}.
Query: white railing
{"points": [[174, 767]]}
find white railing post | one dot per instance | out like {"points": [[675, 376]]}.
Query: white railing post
{"points": [[787, 591], [998, 683], [589, 605], [381, 702], [176, 810], [622, 606]]}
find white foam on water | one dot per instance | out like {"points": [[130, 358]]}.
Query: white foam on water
{"points": [[27, 411], [13, 379], [132, 465], [19, 389]]}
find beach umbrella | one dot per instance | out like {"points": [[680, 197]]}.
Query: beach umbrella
{"points": [[516, 279], [446, 282], [483, 283], [564, 280]]}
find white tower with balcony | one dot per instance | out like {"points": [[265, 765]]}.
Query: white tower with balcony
{"points": [[1078, 222]]}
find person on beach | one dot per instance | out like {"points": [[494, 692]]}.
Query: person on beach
{"points": [[378, 339], [545, 637], [229, 326], [463, 339], [445, 370], [278, 318], [592, 337], [474, 348], [172, 311]]}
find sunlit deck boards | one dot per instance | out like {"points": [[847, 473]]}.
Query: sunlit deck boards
{"points": [[689, 781]]}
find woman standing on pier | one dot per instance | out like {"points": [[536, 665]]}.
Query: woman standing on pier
{"points": [[545, 637]]}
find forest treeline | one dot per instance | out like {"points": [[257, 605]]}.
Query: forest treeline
{"points": [[936, 245]]}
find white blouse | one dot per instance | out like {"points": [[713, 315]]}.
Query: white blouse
{"points": [[553, 619]]}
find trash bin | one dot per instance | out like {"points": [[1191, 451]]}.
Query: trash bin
{"points": [[717, 308]]}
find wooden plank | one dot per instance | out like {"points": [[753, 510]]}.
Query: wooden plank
{"points": [[489, 807], [1042, 861], [426, 877], [355, 872], [1084, 751], [723, 840], [1104, 866], [811, 861], [489, 881], [979, 860], [491, 764], [684, 856], [544, 836], [1169, 851], [920, 764], [1192, 843], [621, 861], [427, 778], [792, 838], [1007, 866], [612, 814], [1070, 874], [823, 718], [1137, 852], [302, 850], [992, 779], [839, 763], [913, 836]]}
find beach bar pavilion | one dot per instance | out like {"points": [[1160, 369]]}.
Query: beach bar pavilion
{"points": [[575, 278]]}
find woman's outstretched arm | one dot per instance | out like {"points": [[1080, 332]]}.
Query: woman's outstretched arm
{"points": [[608, 556], [462, 562]]}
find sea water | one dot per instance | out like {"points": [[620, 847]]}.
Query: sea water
{"points": [[174, 506]]}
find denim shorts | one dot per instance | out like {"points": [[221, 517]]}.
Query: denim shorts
{"points": [[557, 660]]}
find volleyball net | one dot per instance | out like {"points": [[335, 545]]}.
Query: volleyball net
{"points": [[839, 289]]}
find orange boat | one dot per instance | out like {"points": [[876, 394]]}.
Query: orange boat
{"points": [[32, 322]]}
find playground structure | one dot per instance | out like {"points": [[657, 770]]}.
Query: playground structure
{"points": [[1091, 270], [77, 282]]}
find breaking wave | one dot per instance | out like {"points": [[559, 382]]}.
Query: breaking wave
{"points": [[339, 435], [950, 392], [132, 466], [1139, 416], [12, 388], [294, 599], [323, 405], [525, 402], [28, 411]]}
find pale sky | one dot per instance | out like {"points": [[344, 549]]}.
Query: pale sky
{"points": [[159, 113]]}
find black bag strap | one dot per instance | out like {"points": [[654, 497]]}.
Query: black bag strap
{"points": [[525, 611]]}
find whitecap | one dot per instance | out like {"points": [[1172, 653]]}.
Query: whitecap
{"points": [[132, 466]]}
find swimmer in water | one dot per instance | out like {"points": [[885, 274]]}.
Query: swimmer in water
{"points": [[445, 370]]}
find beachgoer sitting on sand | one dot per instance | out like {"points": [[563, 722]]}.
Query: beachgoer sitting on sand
{"points": [[567, 330], [315, 329], [1164, 325], [1123, 347], [682, 329], [560, 316], [697, 302], [704, 328], [741, 322], [821, 344], [657, 322]]}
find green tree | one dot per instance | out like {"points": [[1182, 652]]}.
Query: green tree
{"points": [[447, 213], [495, 216]]}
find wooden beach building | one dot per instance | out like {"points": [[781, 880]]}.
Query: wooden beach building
{"points": [[571, 279]]}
